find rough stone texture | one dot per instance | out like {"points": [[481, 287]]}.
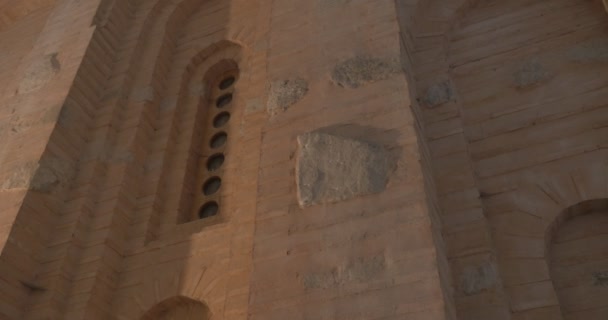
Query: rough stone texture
{"points": [[39, 177], [357, 271], [40, 73], [284, 94], [476, 279], [590, 52], [360, 70], [531, 73], [20, 177], [600, 279], [333, 168], [438, 94]]}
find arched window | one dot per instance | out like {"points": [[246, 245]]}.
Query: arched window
{"points": [[207, 131], [211, 165], [196, 134], [181, 308], [578, 259]]}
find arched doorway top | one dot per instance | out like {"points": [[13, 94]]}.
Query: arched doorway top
{"points": [[178, 307]]}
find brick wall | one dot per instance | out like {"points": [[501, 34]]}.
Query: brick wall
{"points": [[384, 159]]}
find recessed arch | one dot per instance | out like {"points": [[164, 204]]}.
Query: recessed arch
{"points": [[194, 110], [178, 307], [578, 260], [435, 36]]}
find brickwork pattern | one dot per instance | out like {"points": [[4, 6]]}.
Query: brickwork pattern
{"points": [[491, 117]]}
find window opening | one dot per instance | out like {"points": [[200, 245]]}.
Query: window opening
{"points": [[221, 119], [215, 162], [212, 186], [227, 83], [218, 140], [216, 129], [224, 100], [208, 210]]}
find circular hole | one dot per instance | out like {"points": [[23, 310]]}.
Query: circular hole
{"points": [[212, 185], [223, 100], [227, 82], [209, 209], [218, 140], [215, 162], [221, 119]]}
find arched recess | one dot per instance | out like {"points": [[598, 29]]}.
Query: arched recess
{"points": [[484, 71], [148, 65], [530, 87], [578, 260], [161, 283], [178, 308], [188, 113]]}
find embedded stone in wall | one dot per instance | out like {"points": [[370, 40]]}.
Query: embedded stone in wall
{"points": [[38, 74], [600, 279], [43, 177], [530, 73], [361, 70], [332, 168], [476, 279], [591, 51], [333, 3], [357, 271], [285, 93], [438, 94], [20, 176]]}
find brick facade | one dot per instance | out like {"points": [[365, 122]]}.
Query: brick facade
{"points": [[318, 159]]}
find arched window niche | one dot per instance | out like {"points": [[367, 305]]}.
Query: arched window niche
{"points": [[204, 182], [577, 252], [179, 307], [196, 134]]}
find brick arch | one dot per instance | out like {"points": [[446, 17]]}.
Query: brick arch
{"points": [[200, 69], [428, 44], [541, 205], [159, 287], [558, 197], [217, 57], [204, 283], [178, 307], [577, 259], [572, 212]]}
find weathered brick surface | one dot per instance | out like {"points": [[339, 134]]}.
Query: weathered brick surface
{"points": [[482, 126]]}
